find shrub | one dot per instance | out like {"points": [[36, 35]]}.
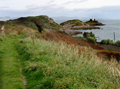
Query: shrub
{"points": [[92, 35], [81, 38], [86, 34], [117, 43], [107, 42], [91, 39]]}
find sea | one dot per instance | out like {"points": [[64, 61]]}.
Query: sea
{"points": [[111, 30]]}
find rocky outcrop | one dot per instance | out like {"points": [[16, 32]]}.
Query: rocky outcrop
{"points": [[70, 32], [84, 27]]}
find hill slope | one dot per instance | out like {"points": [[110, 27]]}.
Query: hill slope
{"points": [[36, 22], [54, 61]]}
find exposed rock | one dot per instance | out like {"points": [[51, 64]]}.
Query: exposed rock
{"points": [[70, 32], [85, 27], [50, 19]]}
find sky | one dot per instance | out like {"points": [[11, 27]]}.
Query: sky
{"points": [[101, 9]]}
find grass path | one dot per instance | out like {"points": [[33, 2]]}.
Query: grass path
{"points": [[10, 76]]}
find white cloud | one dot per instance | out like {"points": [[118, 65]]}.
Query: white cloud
{"points": [[91, 4], [17, 8], [69, 4]]}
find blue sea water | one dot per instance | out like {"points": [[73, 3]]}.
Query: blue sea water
{"points": [[106, 32]]}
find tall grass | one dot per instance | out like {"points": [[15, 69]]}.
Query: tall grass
{"points": [[54, 64], [49, 65]]}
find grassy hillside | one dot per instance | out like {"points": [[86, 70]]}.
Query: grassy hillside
{"points": [[37, 22], [54, 65], [53, 61]]}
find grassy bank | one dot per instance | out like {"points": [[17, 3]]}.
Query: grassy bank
{"points": [[10, 76], [57, 65], [53, 61]]}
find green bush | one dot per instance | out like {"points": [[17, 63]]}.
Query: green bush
{"points": [[91, 39], [92, 35], [107, 42], [81, 38], [117, 43]]}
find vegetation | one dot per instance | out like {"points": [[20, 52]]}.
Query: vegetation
{"points": [[89, 37], [62, 67], [74, 22], [53, 61], [107, 42], [10, 76], [110, 42], [37, 22], [117, 43]]}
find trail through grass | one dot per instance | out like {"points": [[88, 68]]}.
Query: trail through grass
{"points": [[10, 76]]}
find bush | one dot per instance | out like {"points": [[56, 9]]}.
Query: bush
{"points": [[86, 34], [107, 42], [117, 43], [91, 39], [92, 35], [81, 38]]}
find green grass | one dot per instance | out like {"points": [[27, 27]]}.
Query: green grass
{"points": [[51, 65], [76, 22], [10, 76]]}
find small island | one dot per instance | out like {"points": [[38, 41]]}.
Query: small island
{"points": [[94, 22]]}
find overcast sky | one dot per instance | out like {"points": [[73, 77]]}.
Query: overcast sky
{"points": [[103, 9]]}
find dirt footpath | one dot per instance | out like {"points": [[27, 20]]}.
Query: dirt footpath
{"points": [[110, 47]]}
